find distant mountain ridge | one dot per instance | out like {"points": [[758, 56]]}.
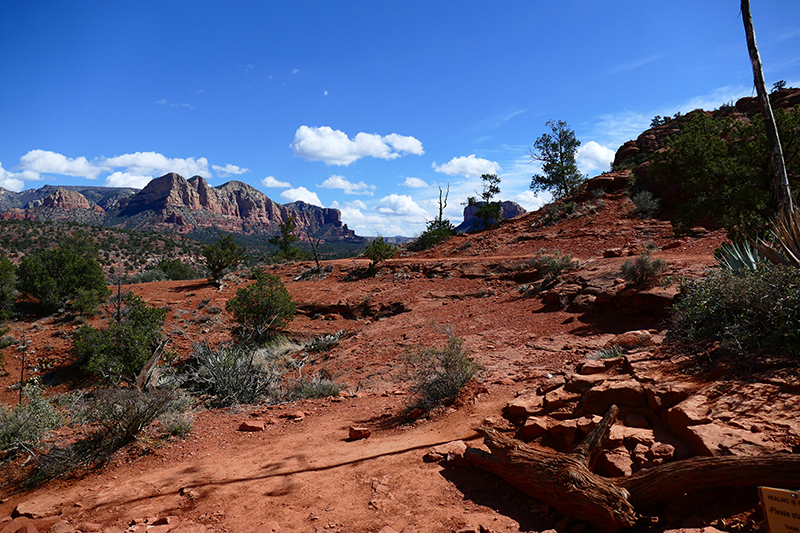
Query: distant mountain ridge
{"points": [[174, 204]]}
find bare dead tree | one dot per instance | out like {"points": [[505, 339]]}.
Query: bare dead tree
{"points": [[781, 178]]}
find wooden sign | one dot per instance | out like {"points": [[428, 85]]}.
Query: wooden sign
{"points": [[781, 509]]}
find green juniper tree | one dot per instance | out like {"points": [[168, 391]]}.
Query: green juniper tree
{"points": [[556, 152], [488, 212]]}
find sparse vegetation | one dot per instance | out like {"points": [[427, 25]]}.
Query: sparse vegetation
{"points": [[222, 256], [489, 212], [556, 152], [756, 309], [550, 264], [379, 250], [644, 204], [261, 309], [438, 374], [8, 287], [643, 270], [118, 352], [21, 429], [609, 352], [60, 277], [285, 241]]}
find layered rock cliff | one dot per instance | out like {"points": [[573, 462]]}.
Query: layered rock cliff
{"points": [[172, 203]]}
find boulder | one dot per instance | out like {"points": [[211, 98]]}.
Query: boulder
{"points": [[253, 425], [525, 405], [358, 433], [622, 393]]}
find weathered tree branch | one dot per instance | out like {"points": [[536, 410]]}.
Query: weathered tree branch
{"points": [[565, 482]]}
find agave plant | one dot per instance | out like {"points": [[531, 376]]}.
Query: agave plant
{"points": [[785, 246], [739, 256]]}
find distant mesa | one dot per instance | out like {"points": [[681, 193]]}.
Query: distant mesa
{"points": [[174, 204], [507, 210]]}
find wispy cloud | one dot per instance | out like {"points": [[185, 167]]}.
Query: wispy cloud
{"points": [[272, 182], [470, 166], [632, 65], [340, 182], [229, 170]]}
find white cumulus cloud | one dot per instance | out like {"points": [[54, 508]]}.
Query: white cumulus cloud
{"points": [[592, 157], [229, 170], [334, 147], [469, 166], [302, 194], [271, 181], [10, 181], [400, 205], [152, 163], [340, 182], [414, 183], [125, 179], [46, 162]]}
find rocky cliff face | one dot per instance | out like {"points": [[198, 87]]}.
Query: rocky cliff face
{"points": [[172, 203], [507, 210]]}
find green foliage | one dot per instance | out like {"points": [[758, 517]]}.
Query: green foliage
{"points": [[779, 85], [223, 255], [285, 240], [737, 257], [261, 308], [236, 375], [323, 343], [556, 152], [609, 352], [118, 353], [755, 309], [8, 287], [58, 276], [724, 169], [643, 271], [644, 204], [436, 232], [148, 276], [318, 386], [379, 250], [550, 264], [24, 427], [438, 374], [175, 269], [488, 212]]}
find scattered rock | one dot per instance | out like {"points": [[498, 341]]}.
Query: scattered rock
{"points": [[618, 462], [525, 405], [631, 340], [536, 426], [452, 453], [497, 422], [296, 416], [358, 433], [252, 425], [634, 420]]}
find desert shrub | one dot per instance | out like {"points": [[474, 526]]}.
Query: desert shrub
{"points": [[122, 413], [23, 427], [754, 309], [436, 232], [222, 256], [439, 373], [57, 277], [323, 343], [235, 375], [318, 386], [175, 269], [118, 353], [550, 264], [147, 276], [177, 423], [644, 204], [379, 250], [261, 308], [609, 352], [8, 287], [643, 270]]}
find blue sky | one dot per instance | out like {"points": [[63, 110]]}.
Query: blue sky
{"points": [[368, 107]]}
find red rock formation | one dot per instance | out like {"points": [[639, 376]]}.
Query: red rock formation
{"points": [[65, 199]]}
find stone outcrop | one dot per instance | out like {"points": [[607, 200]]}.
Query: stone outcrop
{"points": [[507, 210], [64, 199]]}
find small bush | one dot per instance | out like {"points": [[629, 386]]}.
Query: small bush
{"points": [[610, 352], [437, 231], [8, 287], [323, 343], [23, 428], [118, 352], [147, 276], [751, 310], [550, 264], [379, 250], [177, 423], [438, 374], [318, 386], [644, 204], [235, 375], [643, 271], [175, 269], [261, 309]]}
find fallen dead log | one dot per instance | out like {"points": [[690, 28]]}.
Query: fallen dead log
{"points": [[565, 481]]}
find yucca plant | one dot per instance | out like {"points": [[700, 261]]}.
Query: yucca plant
{"points": [[785, 246], [738, 257]]}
